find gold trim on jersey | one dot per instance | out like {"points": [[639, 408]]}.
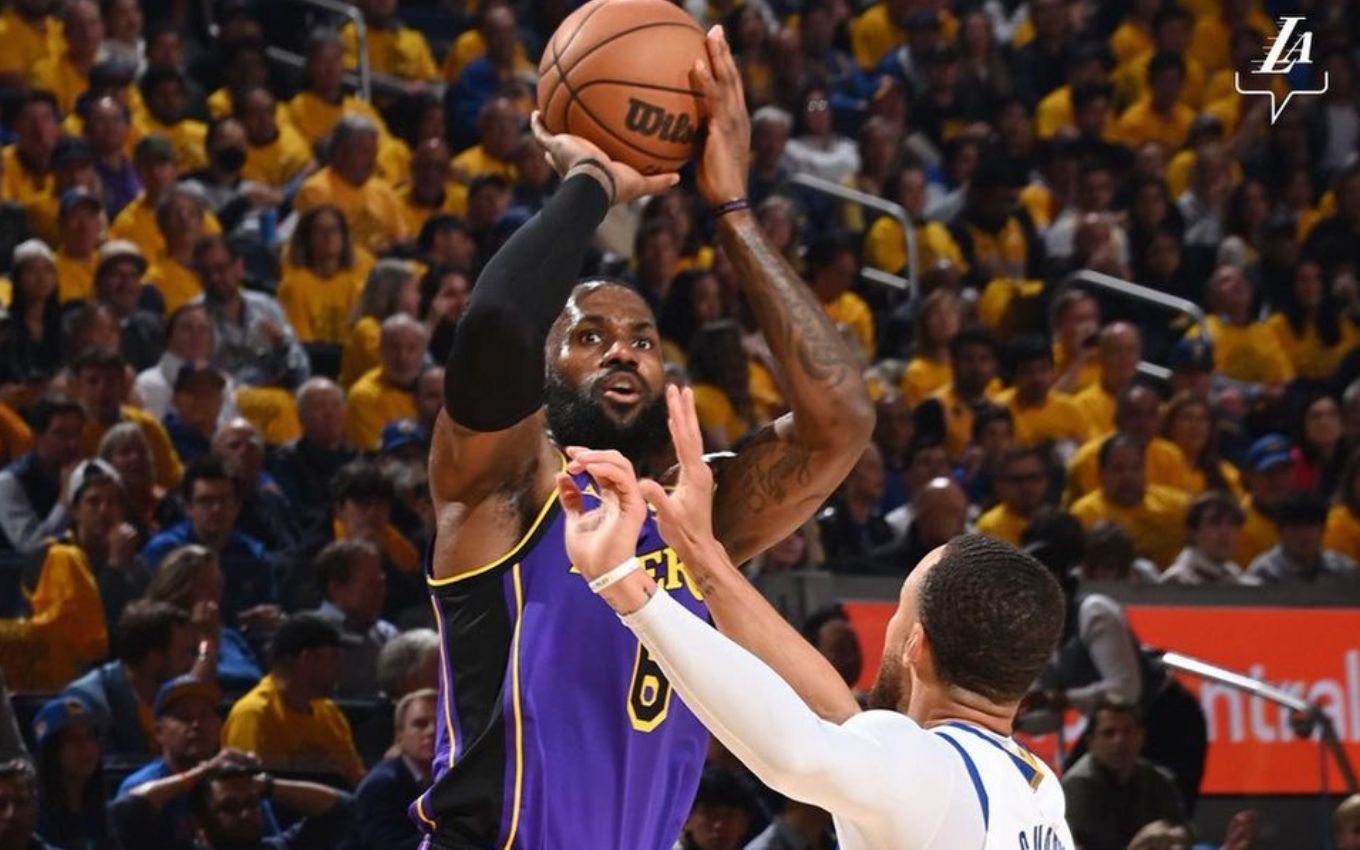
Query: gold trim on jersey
{"points": [[519, 719], [446, 686]]}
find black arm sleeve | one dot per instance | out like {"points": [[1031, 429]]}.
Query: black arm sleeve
{"points": [[494, 376]]}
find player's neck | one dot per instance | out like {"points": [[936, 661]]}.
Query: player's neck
{"points": [[931, 707]]}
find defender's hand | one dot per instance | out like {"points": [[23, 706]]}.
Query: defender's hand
{"points": [[566, 152], [726, 157], [603, 537], [686, 513]]}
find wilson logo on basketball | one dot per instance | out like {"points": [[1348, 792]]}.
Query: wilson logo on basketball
{"points": [[650, 120]]}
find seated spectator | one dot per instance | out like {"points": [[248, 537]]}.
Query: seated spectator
{"points": [[19, 791], [385, 393], [1190, 423], [1112, 792], [1002, 255], [431, 189], [829, 630], [190, 579], [885, 245], [304, 468], [429, 398], [350, 575], [1076, 321], [446, 240], [322, 101], [1214, 522], [391, 287], [187, 730], [1318, 451], [1153, 515], [409, 662], [832, 270], [1136, 413], [1244, 350], [164, 90], [1119, 351], [81, 229], [157, 172], [369, 204], [500, 126], [1112, 556], [720, 375], [893, 432], [195, 408], [1300, 557], [939, 514], [188, 340], [818, 149], [32, 346], [276, 154], [28, 161], [1160, 115], [70, 773], [1310, 326], [125, 449], [383, 797], [444, 295], [182, 221], [1022, 485], [925, 461], [237, 202], [118, 286], [212, 503], [1270, 478], [265, 512], [495, 23], [155, 644], [393, 49], [322, 277], [973, 363], [937, 323], [31, 508], [723, 813], [289, 720], [851, 525], [1342, 534], [108, 126], [1042, 418], [476, 79], [99, 382]]}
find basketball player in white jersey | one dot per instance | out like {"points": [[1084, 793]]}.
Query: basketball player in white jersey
{"points": [[934, 764]]}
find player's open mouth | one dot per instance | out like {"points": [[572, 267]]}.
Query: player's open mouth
{"points": [[622, 388]]}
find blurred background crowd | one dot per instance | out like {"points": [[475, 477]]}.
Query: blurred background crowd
{"points": [[232, 276]]}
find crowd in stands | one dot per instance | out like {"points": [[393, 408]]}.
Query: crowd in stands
{"points": [[232, 279]]}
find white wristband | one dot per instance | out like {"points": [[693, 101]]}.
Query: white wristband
{"points": [[619, 573]]}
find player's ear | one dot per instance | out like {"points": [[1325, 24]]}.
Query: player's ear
{"points": [[917, 654]]}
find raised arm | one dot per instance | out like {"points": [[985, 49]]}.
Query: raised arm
{"points": [[777, 481]]}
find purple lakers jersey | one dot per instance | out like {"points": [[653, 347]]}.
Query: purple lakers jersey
{"points": [[556, 729]]}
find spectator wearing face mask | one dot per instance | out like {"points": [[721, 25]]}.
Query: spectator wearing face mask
{"points": [[235, 201]]}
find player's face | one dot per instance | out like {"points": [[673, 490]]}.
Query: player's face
{"points": [[605, 375], [892, 688]]}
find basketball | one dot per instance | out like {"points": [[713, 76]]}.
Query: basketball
{"points": [[616, 72]]}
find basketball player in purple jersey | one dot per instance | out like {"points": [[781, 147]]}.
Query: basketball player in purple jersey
{"points": [[556, 730]]}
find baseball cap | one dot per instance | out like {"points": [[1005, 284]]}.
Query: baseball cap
{"points": [[31, 249], [402, 433], [184, 687], [1193, 353], [79, 196], [120, 249], [1268, 452], [193, 373], [302, 632], [57, 714], [87, 472]]}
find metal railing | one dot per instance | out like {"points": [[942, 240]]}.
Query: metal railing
{"points": [[377, 81], [1138, 292], [864, 199], [1309, 715], [363, 83]]}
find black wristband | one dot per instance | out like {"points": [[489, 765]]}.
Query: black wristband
{"points": [[603, 169], [730, 207]]}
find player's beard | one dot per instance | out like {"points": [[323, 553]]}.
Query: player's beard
{"points": [[888, 692], [576, 419]]}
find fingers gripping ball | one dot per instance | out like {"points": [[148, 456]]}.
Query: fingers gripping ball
{"points": [[616, 72]]}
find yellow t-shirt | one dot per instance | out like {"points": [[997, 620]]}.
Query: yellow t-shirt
{"points": [[1086, 376], [1309, 357], [401, 52], [279, 161], [75, 277], [850, 310], [22, 186], [26, 45], [372, 210], [1131, 86], [1250, 352], [475, 161], [361, 350], [372, 403], [177, 283], [923, 377], [1038, 201], [313, 116], [1163, 465], [885, 245], [1211, 41], [65, 631], [1194, 482], [1000, 297], [1157, 524], [186, 135], [169, 469], [767, 399], [1140, 123], [136, 222], [1343, 532], [415, 215], [1058, 418], [470, 45], [1004, 523], [287, 740], [873, 34], [1129, 40], [320, 309], [717, 416], [57, 74], [1098, 406], [958, 419], [1259, 535]]}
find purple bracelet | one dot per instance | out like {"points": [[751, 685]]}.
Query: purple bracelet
{"points": [[730, 207]]}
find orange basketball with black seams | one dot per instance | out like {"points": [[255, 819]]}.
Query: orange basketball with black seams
{"points": [[616, 72]]}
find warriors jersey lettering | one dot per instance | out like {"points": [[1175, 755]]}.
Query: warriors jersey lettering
{"points": [[555, 727]]}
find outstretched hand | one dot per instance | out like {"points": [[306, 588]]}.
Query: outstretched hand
{"points": [[565, 152], [724, 164], [685, 514], [603, 537]]}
